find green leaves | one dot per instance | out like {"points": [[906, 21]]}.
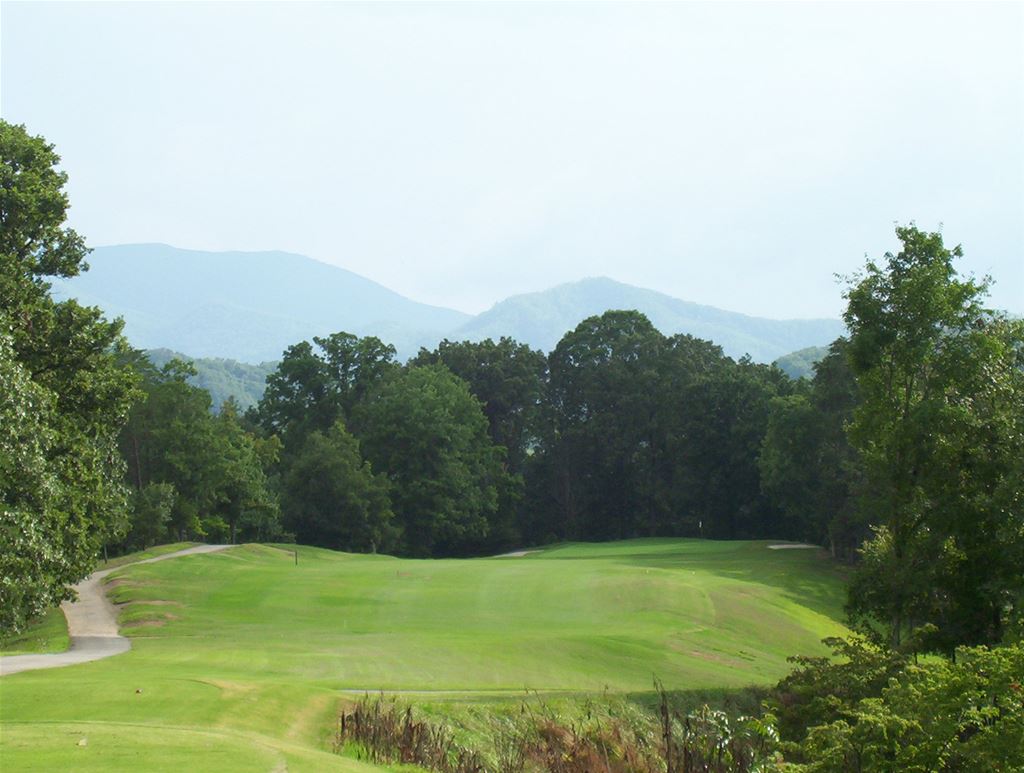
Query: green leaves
{"points": [[64, 394], [333, 498], [215, 467], [938, 433], [33, 240], [508, 380], [428, 434], [966, 714], [317, 384]]}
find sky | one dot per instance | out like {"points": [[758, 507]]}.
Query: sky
{"points": [[734, 154]]}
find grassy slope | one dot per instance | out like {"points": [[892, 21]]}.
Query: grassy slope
{"points": [[253, 649]]}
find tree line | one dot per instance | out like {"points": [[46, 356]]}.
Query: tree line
{"points": [[474, 447]]}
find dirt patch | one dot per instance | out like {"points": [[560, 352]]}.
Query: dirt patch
{"points": [[713, 657], [152, 620], [148, 623]]}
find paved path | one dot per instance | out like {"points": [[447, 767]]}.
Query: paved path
{"points": [[92, 622]]}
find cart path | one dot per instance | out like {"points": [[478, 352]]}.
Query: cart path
{"points": [[92, 622]]}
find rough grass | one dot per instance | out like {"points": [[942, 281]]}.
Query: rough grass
{"points": [[47, 634], [256, 651]]}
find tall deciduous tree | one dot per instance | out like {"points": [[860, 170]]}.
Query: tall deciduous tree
{"points": [[317, 384], [807, 465], [427, 433], [508, 379], [717, 421], [65, 396], [242, 497], [215, 468], [602, 401], [332, 497], [940, 433]]}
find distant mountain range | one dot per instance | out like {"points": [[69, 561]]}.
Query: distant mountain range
{"points": [[250, 306], [246, 306], [541, 319]]}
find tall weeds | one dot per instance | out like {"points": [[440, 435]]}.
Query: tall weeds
{"points": [[539, 741], [388, 733]]}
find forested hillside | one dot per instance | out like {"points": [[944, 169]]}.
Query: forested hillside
{"points": [[223, 379], [800, 364]]}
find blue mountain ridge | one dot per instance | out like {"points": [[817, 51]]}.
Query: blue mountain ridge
{"points": [[250, 306]]}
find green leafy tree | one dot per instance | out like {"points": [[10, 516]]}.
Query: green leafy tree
{"points": [[216, 467], [820, 689], [808, 467], [599, 441], [508, 379], [152, 507], [315, 387], [427, 433], [243, 499], [318, 383], [647, 435], [169, 438], [332, 497], [690, 365], [937, 715], [66, 393], [789, 465], [31, 555], [939, 434], [717, 421]]}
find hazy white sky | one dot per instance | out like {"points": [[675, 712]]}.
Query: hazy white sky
{"points": [[732, 154]]}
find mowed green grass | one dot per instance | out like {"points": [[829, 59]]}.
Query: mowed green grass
{"points": [[246, 655]]}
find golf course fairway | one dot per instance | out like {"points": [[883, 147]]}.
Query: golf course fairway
{"points": [[240, 659]]}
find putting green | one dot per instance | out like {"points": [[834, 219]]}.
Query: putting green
{"points": [[248, 651]]}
